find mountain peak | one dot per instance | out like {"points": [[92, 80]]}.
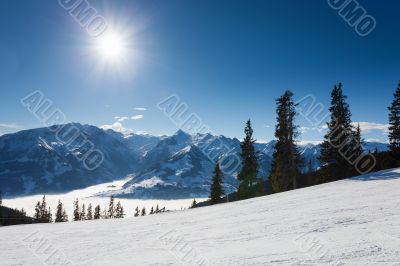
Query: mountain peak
{"points": [[181, 132], [181, 135]]}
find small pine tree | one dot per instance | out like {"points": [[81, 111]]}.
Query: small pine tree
{"points": [[111, 208], [97, 212], [65, 216], [37, 212], [105, 213], [359, 142], [83, 212], [59, 213], [152, 210], [157, 209], [44, 216], [89, 215], [119, 211], [77, 213], [143, 211], [194, 203], [42, 213], [137, 212], [49, 216], [216, 186]]}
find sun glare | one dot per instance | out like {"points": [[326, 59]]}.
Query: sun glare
{"points": [[115, 52], [111, 46]]}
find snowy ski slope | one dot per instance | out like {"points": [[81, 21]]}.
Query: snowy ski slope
{"points": [[349, 222]]}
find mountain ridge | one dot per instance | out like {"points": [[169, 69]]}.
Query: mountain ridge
{"points": [[178, 166]]}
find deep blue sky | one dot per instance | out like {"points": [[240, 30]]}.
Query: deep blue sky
{"points": [[227, 60]]}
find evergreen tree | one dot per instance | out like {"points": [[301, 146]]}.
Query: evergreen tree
{"points": [[338, 145], [359, 142], [97, 212], [77, 213], [286, 161], [152, 210], [111, 208], [143, 211], [194, 203], [89, 215], [42, 213], [65, 216], [61, 215], [394, 125], [119, 211], [105, 213], [49, 216], [37, 212], [248, 175], [137, 212], [82, 216], [157, 209], [216, 186], [44, 216]]}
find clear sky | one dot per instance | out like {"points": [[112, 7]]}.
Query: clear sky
{"points": [[227, 60]]}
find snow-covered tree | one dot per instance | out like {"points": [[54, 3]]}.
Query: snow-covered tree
{"points": [[119, 211], [89, 215], [97, 212], [111, 208], [61, 215], [77, 213], [83, 212]]}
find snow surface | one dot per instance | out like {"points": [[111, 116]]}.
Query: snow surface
{"points": [[349, 222]]}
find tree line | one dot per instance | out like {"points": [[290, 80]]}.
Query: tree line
{"points": [[43, 213], [341, 151]]}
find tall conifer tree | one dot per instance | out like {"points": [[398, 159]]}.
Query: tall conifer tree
{"points": [[286, 161], [338, 146], [394, 124], [248, 175]]}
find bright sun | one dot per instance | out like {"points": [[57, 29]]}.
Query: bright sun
{"points": [[111, 46]]}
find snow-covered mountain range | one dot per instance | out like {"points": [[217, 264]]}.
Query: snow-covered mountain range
{"points": [[165, 167]]}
